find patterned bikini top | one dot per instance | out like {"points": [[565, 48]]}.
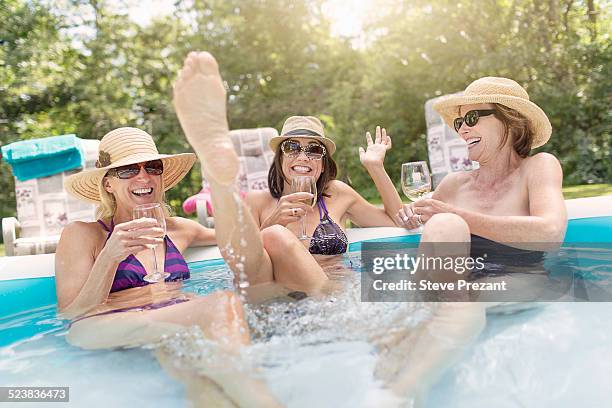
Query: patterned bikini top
{"points": [[328, 238], [130, 271]]}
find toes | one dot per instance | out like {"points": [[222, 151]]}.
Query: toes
{"points": [[186, 72], [207, 63], [192, 61]]}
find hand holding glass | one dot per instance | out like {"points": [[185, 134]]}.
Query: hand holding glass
{"points": [[305, 184], [155, 211], [416, 181]]}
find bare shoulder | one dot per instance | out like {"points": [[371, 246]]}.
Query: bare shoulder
{"points": [[450, 184], [542, 161], [258, 198], [82, 237], [81, 230], [338, 187], [542, 165], [258, 195]]}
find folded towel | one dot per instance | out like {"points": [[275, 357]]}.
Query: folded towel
{"points": [[44, 157]]}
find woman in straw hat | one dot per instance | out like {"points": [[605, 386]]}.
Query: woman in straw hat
{"points": [[511, 205], [101, 266], [260, 239], [511, 197]]}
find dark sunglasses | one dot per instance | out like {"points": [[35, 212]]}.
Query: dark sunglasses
{"points": [[471, 118], [153, 167], [313, 151]]}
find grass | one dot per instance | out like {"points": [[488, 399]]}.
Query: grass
{"points": [[569, 192], [587, 190]]}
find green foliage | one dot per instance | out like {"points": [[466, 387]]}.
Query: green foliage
{"points": [[82, 66]]}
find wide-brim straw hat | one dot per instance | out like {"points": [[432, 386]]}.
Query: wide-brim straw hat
{"points": [[124, 146], [505, 92], [303, 126]]}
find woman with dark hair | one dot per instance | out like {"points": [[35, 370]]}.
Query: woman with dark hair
{"points": [[260, 239]]}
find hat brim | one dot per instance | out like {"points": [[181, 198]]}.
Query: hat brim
{"points": [[448, 108], [329, 144], [86, 184]]}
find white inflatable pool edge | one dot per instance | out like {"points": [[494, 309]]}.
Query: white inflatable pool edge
{"points": [[42, 266]]}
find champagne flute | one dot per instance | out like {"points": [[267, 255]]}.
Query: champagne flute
{"points": [[305, 184], [155, 211], [416, 181]]}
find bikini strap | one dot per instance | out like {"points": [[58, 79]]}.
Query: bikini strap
{"points": [[104, 226], [112, 227], [322, 208]]}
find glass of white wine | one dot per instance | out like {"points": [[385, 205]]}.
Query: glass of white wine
{"points": [[155, 211], [305, 184], [416, 180]]}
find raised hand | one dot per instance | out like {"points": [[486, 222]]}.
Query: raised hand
{"points": [[374, 154]]}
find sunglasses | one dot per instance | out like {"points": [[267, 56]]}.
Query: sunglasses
{"points": [[471, 118], [313, 151], [153, 167]]}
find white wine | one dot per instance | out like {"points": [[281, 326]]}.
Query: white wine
{"points": [[416, 193], [310, 201]]}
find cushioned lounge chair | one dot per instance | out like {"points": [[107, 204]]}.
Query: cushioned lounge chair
{"points": [[255, 160], [44, 207]]}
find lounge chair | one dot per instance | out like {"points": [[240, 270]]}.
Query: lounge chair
{"points": [[43, 206], [255, 160]]}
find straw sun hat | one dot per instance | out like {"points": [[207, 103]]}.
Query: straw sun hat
{"points": [[505, 92], [303, 126], [124, 146]]}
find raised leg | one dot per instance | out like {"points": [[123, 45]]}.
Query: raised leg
{"points": [[199, 98]]}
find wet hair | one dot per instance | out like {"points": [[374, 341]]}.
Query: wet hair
{"points": [[276, 178], [108, 204], [517, 127]]}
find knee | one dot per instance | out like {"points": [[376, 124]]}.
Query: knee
{"points": [[446, 227], [278, 239]]}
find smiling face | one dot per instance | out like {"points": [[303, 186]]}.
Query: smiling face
{"points": [[485, 137], [143, 188], [301, 165]]}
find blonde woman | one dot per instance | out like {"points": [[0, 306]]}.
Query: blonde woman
{"points": [[100, 267]]}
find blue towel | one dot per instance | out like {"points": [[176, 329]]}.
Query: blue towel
{"points": [[36, 158]]}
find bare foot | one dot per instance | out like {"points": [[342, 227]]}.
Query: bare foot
{"points": [[199, 101]]}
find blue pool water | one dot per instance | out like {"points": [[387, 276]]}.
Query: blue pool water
{"points": [[558, 355]]}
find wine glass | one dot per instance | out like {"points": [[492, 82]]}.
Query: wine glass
{"points": [[305, 184], [416, 181], [155, 211]]}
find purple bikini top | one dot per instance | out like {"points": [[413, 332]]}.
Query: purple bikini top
{"points": [[328, 238], [130, 271]]}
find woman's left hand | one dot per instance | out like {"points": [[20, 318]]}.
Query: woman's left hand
{"points": [[374, 155]]}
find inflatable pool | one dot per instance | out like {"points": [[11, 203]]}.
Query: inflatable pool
{"points": [[554, 356]]}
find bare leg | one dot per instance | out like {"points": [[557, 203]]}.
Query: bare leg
{"points": [[221, 320], [199, 98], [411, 363]]}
